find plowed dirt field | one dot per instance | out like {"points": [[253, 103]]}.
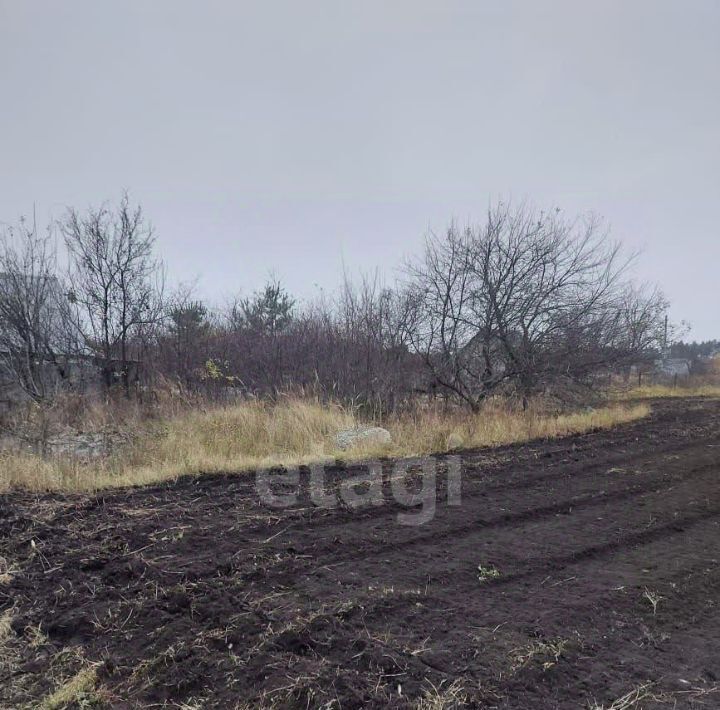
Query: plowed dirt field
{"points": [[573, 573]]}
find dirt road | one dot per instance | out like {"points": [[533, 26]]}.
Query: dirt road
{"points": [[574, 572]]}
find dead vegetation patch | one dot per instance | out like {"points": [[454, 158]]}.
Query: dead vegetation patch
{"points": [[258, 434]]}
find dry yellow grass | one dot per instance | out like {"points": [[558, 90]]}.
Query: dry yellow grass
{"points": [[5, 622], [666, 391], [430, 432], [258, 434], [442, 697], [80, 687]]}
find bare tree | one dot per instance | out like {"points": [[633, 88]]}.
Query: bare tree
{"points": [[446, 326], [528, 298], [543, 276], [116, 283], [35, 338]]}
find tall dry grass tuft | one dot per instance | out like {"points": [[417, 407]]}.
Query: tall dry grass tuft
{"points": [[292, 431], [690, 389], [255, 434], [706, 385], [497, 424]]}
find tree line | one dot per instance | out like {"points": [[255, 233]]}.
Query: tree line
{"points": [[523, 302]]}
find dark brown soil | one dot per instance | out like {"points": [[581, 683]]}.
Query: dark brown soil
{"points": [[193, 594]]}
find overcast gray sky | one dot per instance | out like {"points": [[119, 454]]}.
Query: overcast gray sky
{"points": [[295, 137]]}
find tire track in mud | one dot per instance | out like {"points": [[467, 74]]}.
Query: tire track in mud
{"points": [[339, 626], [474, 487], [443, 595], [364, 551], [545, 565], [295, 564]]}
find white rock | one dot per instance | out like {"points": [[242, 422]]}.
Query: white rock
{"points": [[368, 435]]}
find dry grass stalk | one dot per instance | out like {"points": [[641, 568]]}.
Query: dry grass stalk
{"points": [[630, 700], [653, 598], [80, 687], [690, 389], [256, 434], [443, 698]]}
